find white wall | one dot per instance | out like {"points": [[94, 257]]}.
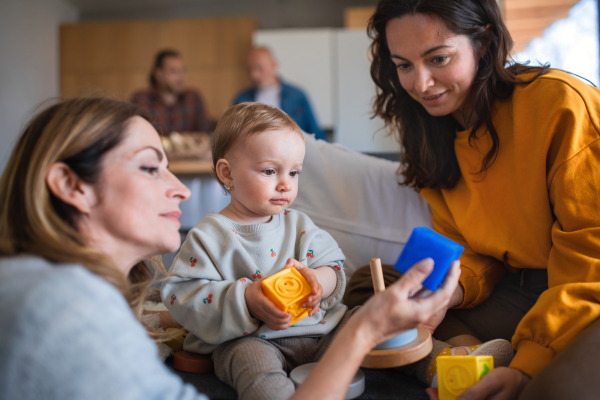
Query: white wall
{"points": [[29, 61], [332, 67], [354, 127], [305, 60]]}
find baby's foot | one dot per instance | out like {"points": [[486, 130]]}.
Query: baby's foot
{"points": [[500, 349]]}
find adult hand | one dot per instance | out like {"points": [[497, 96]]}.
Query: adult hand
{"points": [[501, 383], [437, 318], [404, 306], [313, 300], [458, 296], [385, 315], [432, 323], [263, 309]]}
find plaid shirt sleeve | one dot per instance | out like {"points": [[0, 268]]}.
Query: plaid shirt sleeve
{"points": [[202, 123]]}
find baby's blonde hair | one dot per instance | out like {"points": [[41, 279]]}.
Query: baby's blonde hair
{"points": [[246, 119]]}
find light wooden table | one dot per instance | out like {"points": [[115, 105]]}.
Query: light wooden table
{"points": [[191, 167], [206, 194]]}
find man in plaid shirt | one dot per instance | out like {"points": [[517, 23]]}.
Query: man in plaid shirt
{"points": [[172, 106]]}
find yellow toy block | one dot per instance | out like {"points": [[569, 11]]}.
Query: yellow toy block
{"points": [[458, 373], [177, 342], [288, 289]]}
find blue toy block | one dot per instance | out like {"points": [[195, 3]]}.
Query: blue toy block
{"points": [[425, 243]]}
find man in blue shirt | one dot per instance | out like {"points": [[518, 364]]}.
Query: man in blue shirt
{"points": [[270, 89]]}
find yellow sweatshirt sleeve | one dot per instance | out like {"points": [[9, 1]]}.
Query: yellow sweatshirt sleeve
{"points": [[572, 301], [479, 273]]}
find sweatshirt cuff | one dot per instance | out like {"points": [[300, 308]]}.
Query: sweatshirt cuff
{"points": [[340, 287], [531, 357]]}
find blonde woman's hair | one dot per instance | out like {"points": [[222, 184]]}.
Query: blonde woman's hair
{"points": [[77, 132], [243, 120]]}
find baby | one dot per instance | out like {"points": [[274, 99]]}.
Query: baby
{"points": [[214, 286]]}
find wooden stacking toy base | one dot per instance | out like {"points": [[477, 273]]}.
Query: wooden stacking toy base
{"points": [[403, 355], [194, 363]]}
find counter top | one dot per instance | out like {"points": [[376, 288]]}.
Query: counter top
{"points": [[191, 167]]}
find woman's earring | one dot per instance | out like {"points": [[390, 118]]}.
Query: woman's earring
{"points": [[228, 188]]}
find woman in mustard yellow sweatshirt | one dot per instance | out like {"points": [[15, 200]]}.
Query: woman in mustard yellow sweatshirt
{"points": [[508, 157]]}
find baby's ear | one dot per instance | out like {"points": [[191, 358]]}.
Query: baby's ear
{"points": [[223, 170]]}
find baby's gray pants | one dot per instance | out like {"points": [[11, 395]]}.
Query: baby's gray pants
{"points": [[258, 368]]}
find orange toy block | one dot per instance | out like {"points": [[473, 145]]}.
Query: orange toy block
{"points": [[288, 289], [458, 373]]}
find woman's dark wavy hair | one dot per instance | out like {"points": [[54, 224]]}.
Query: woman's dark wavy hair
{"points": [[429, 159]]}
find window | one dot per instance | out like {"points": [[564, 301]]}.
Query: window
{"points": [[570, 44]]}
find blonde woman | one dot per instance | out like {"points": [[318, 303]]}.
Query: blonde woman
{"points": [[86, 201]]}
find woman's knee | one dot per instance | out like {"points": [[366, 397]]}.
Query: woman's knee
{"points": [[360, 287], [573, 373]]}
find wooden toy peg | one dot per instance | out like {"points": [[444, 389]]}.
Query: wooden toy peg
{"points": [[417, 346], [377, 274]]}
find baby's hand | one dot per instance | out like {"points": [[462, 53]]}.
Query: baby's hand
{"points": [[263, 309], [315, 297]]}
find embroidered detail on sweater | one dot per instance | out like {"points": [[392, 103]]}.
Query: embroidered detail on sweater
{"points": [[256, 275]]}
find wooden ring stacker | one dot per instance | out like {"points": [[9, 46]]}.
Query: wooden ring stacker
{"points": [[194, 363], [406, 354]]}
